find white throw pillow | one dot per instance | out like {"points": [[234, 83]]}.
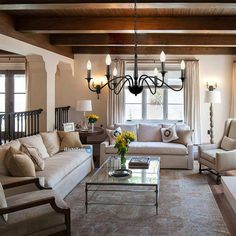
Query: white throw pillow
{"points": [[169, 134], [149, 133], [228, 144], [3, 203], [37, 142], [112, 134]]}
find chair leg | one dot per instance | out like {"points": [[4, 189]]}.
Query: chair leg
{"points": [[218, 178], [200, 168]]}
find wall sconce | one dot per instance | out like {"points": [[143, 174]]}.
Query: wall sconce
{"points": [[211, 87], [97, 87]]}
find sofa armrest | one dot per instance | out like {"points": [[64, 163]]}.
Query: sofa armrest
{"points": [[226, 161], [190, 156]]}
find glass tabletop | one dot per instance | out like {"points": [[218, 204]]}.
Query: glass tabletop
{"points": [[147, 177]]}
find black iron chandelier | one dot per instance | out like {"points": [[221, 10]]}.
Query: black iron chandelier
{"points": [[135, 83]]}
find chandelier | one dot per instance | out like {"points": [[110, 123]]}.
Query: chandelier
{"points": [[135, 83]]}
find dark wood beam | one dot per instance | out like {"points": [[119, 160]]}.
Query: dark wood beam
{"points": [[42, 41], [156, 50], [76, 24], [143, 39]]}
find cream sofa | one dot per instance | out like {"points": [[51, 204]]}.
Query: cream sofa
{"points": [[63, 170], [173, 155]]}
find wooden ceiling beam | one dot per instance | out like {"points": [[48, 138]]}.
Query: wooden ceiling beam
{"points": [[156, 50], [143, 39], [99, 4], [77, 24]]}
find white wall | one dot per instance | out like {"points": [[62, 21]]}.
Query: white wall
{"points": [[213, 68]]}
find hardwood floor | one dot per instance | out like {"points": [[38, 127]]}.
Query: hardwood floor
{"points": [[225, 208]]}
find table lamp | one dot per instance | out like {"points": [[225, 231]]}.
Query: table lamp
{"points": [[212, 96], [84, 105]]}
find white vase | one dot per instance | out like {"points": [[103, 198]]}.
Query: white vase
{"points": [[92, 127]]}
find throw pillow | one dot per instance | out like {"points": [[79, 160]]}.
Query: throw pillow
{"points": [[51, 141], [228, 144], [169, 134], [112, 134], [35, 156], [35, 141], [69, 140], [149, 133], [184, 137], [127, 127], [3, 203], [19, 164]]}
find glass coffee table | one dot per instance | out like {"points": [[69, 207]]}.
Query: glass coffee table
{"points": [[139, 180]]}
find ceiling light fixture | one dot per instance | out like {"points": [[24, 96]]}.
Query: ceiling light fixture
{"points": [[135, 83]]}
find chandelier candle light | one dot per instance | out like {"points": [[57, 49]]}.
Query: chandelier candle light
{"points": [[135, 83]]}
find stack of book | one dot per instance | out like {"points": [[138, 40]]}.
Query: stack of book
{"points": [[139, 163]]}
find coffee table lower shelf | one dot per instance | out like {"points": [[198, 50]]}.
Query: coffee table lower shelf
{"points": [[155, 190]]}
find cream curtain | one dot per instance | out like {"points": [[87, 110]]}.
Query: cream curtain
{"points": [[233, 92], [192, 99], [115, 107], [27, 74]]}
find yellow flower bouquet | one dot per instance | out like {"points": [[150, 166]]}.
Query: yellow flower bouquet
{"points": [[122, 144], [92, 118]]}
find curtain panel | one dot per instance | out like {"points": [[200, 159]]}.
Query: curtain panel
{"points": [[192, 99], [233, 92], [116, 103]]}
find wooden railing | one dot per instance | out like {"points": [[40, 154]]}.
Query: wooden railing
{"points": [[61, 116], [19, 124]]}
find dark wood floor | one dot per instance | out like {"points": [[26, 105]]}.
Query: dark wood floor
{"points": [[225, 208]]}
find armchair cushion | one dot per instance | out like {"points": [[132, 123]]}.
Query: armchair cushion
{"points": [[34, 220], [3, 203], [228, 144], [232, 129], [19, 164]]}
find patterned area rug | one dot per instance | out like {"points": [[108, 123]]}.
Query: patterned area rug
{"points": [[186, 207]]}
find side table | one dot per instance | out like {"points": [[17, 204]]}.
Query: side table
{"points": [[85, 133]]}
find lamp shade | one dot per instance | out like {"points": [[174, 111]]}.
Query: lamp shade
{"points": [[84, 105], [212, 96]]}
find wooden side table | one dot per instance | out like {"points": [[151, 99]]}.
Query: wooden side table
{"points": [[84, 134]]}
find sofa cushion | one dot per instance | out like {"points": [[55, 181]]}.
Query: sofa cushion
{"points": [[169, 134], [153, 148], [228, 144], [69, 140], [19, 164], [210, 155], [3, 150], [149, 133], [61, 164], [36, 220], [127, 127], [51, 141], [232, 129], [184, 137], [3, 203], [35, 156], [37, 142], [112, 134]]}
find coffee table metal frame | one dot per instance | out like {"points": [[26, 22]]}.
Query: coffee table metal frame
{"points": [[155, 186]]}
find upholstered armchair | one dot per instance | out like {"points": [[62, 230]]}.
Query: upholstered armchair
{"points": [[220, 157], [38, 212]]}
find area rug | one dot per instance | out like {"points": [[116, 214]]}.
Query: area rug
{"points": [[186, 207]]}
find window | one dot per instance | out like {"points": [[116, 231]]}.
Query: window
{"points": [[166, 104]]}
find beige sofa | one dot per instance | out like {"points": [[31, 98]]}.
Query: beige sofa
{"points": [[172, 154], [63, 170]]}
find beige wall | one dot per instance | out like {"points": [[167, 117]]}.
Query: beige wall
{"points": [[212, 68]]}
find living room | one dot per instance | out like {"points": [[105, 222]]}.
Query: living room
{"points": [[57, 55]]}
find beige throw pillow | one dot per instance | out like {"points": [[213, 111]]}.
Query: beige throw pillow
{"points": [[169, 134], [3, 203], [149, 133], [35, 156], [112, 134], [19, 164], [184, 137], [51, 141], [127, 127], [69, 140], [228, 144]]}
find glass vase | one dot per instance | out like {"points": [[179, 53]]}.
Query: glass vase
{"points": [[92, 127], [122, 161]]}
